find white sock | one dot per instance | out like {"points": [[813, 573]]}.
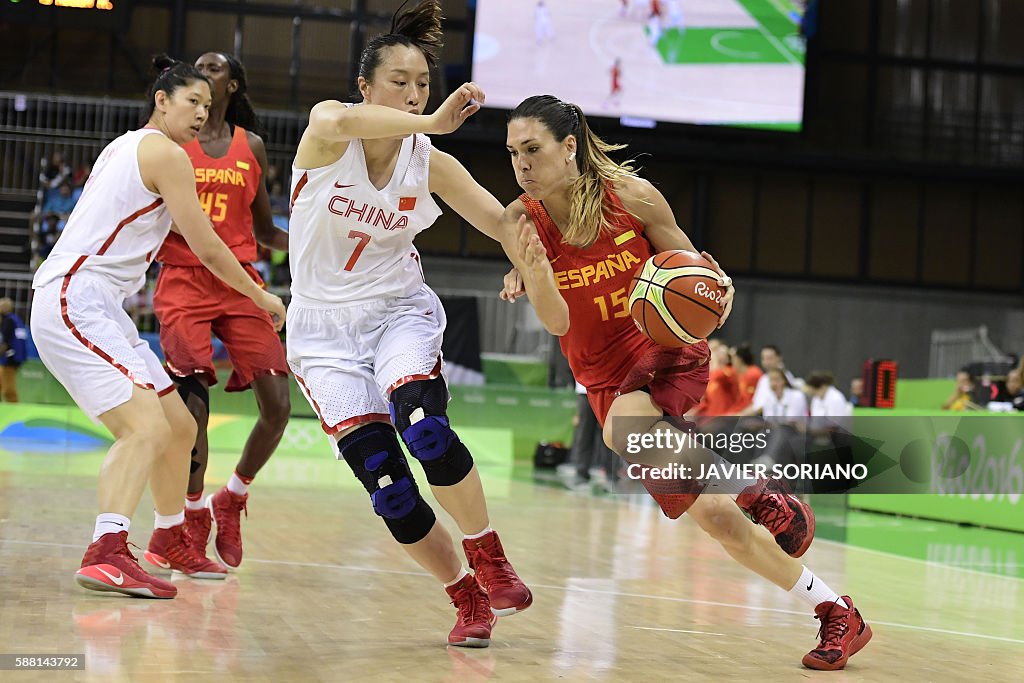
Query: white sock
{"points": [[167, 521], [197, 504], [461, 575], [109, 523], [733, 485], [479, 535], [814, 591], [237, 486]]}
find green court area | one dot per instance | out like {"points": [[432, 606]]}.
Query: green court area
{"points": [[776, 40]]}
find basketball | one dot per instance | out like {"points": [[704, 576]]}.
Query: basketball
{"points": [[675, 298]]}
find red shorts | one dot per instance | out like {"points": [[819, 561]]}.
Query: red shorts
{"points": [[675, 389], [190, 303]]}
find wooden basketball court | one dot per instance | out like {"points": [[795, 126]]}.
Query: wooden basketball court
{"points": [[621, 594]]}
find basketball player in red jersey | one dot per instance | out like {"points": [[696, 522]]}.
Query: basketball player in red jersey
{"points": [[614, 97], [229, 160], [583, 225]]}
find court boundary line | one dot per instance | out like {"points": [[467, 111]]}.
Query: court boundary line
{"points": [[930, 563], [577, 589]]}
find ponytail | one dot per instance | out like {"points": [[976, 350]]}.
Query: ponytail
{"points": [[590, 205], [419, 27]]}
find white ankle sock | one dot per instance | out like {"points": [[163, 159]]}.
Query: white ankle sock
{"points": [[461, 575], [814, 591], [237, 486], [167, 521], [197, 504], [479, 535], [109, 523]]}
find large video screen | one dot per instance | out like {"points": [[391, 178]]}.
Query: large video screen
{"points": [[722, 62]]}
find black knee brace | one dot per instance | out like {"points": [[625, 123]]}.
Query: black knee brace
{"points": [[187, 387], [376, 458], [418, 411], [191, 386]]}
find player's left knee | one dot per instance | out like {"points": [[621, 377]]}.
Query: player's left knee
{"points": [[418, 410], [719, 516]]}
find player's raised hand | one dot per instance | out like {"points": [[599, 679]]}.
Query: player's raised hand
{"points": [[725, 281], [459, 106], [513, 286], [532, 253]]}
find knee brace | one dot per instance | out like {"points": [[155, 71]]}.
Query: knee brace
{"points": [[187, 387], [376, 458], [191, 386], [418, 411]]}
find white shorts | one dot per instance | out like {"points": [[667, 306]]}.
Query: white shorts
{"points": [[348, 359], [86, 339]]}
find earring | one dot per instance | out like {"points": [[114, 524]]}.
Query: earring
{"points": [[572, 157]]}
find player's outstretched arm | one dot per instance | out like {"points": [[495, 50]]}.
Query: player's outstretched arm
{"points": [[450, 181], [646, 202], [166, 169], [333, 121], [523, 247]]}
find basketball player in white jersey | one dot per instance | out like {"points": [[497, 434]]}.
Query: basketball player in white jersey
{"points": [[141, 182], [364, 335]]}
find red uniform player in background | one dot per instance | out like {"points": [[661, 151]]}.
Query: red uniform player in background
{"points": [[229, 160]]}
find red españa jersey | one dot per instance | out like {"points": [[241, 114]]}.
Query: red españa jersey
{"points": [[604, 348], [227, 187]]}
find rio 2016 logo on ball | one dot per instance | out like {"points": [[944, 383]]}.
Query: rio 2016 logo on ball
{"points": [[675, 298]]}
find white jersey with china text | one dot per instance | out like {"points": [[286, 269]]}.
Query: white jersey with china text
{"points": [[349, 241], [116, 227]]}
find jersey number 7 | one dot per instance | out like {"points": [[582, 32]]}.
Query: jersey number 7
{"points": [[364, 239]]}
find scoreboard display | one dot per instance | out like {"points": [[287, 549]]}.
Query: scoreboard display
{"points": [[93, 15]]}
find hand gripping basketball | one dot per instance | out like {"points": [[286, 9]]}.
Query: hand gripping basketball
{"points": [[724, 281]]}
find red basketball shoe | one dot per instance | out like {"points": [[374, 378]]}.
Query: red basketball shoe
{"points": [[790, 520], [173, 549], [227, 508], [843, 634], [473, 628], [198, 525], [108, 565], [506, 591]]}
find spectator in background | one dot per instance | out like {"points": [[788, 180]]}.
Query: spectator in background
{"points": [[50, 226], [278, 198], [722, 394], [829, 407], [747, 376], [53, 173], [272, 176], [771, 359], [589, 457], [857, 391], [784, 404], [1015, 388], [785, 410], [61, 203], [79, 179], [962, 397], [13, 341], [825, 398]]}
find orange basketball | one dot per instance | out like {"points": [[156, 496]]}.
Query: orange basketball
{"points": [[675, 298]]}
